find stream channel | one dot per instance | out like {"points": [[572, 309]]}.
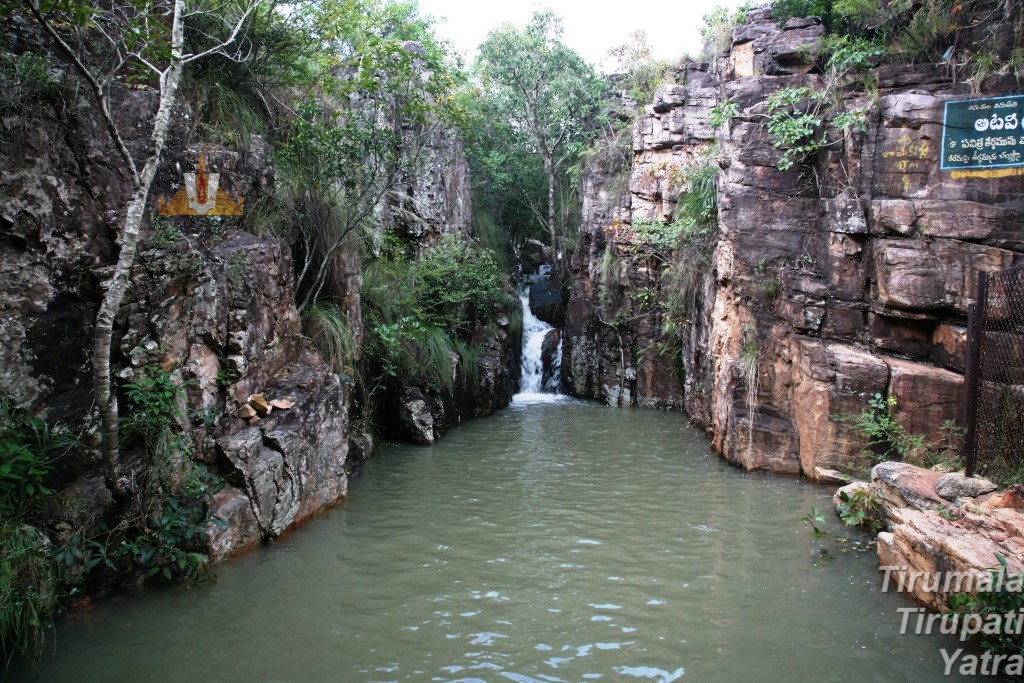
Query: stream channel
{"points": [[555, 541], [558, 540]]}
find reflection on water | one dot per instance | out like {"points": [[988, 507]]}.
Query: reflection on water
{"points": [[553, 542]]}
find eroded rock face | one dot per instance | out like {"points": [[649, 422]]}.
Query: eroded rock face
{"points": [[415, 416], [948, 552], [846, 276], [210, 304]]}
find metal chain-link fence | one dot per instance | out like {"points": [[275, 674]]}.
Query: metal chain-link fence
{"points": [[994, 397]]}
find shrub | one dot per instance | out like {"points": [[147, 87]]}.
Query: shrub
{"points": [[28, 589], [887, 439], [859, 509], [28, 581], [999, 605], [423, 312], [332, 331]]}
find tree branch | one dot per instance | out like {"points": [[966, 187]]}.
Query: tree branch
{"points": [[97, 90]]}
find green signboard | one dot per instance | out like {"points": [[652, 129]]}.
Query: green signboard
{"points": [[983, 134]]}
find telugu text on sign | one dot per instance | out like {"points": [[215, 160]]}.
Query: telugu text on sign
{"points": [[983, 134]]}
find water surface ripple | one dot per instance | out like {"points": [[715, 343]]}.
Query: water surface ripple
{"points": [[552, 542]]}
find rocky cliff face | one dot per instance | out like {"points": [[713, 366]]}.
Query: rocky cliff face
{"points": [[210, 303], [843, 277]]}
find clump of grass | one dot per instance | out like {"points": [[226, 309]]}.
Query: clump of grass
{"points": [[332, 331], [28, 590]]}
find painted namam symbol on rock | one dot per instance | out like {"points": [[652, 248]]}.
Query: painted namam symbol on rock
{"points": [[201, 196]]}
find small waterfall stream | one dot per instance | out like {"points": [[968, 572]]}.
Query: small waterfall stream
{"points": [[538, 382]]}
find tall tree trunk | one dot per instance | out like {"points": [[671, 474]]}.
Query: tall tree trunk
{"points": [[128, 242], [549, 168]]}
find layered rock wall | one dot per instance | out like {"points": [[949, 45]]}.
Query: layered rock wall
{"points": [[845, 276], [209, 303]]}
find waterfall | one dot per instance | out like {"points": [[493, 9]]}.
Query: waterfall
{"points": [[536, 384]]}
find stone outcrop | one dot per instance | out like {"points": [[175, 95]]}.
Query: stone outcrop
{"points": [[937, 537], [415, 416], [209, 303], [846, 276], [546, 300]]}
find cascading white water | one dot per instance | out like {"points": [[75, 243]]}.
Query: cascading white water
{"points": [[532, 385]]}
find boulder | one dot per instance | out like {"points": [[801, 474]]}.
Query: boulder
{"points": [[795, 49], [415, 417], [828, 477], [83, 503], [902, 485], [546, 300], [955, 485], [936, 549], [534, 254], [550, 361]]}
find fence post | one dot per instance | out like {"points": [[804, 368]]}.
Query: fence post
{"points": [[976, 315]]}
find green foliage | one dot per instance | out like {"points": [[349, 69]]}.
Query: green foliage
{"points": [[766, 283], [536, 97], [926, 27], [644, 298], [1005, 599], [723, 113], [420, 313], [27, 81], [887, 439], [330, 328], [641, 73], [153, 401], [29, 446], [717, 30], [165, 233], [784, 10], [28, 583], [859, 509], [165, 546], [813, 519], [799, 118], [28, 590], [909, 30]]}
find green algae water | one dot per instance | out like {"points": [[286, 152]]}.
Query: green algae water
{"points": [[559, 541]]}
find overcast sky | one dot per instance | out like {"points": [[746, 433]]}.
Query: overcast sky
{"points": [[591, 28]]}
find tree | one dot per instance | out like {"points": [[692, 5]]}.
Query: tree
{"points": [[545, 92], [133, 41], [386, 85]]}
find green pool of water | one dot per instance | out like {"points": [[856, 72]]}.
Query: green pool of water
{"points": [[553, 542]]}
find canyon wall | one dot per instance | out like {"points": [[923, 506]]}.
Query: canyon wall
{"points": [[845, 276], [210, 302]]}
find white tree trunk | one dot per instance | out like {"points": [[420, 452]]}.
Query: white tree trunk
{"points": [[128, 241], [549, 169]]}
